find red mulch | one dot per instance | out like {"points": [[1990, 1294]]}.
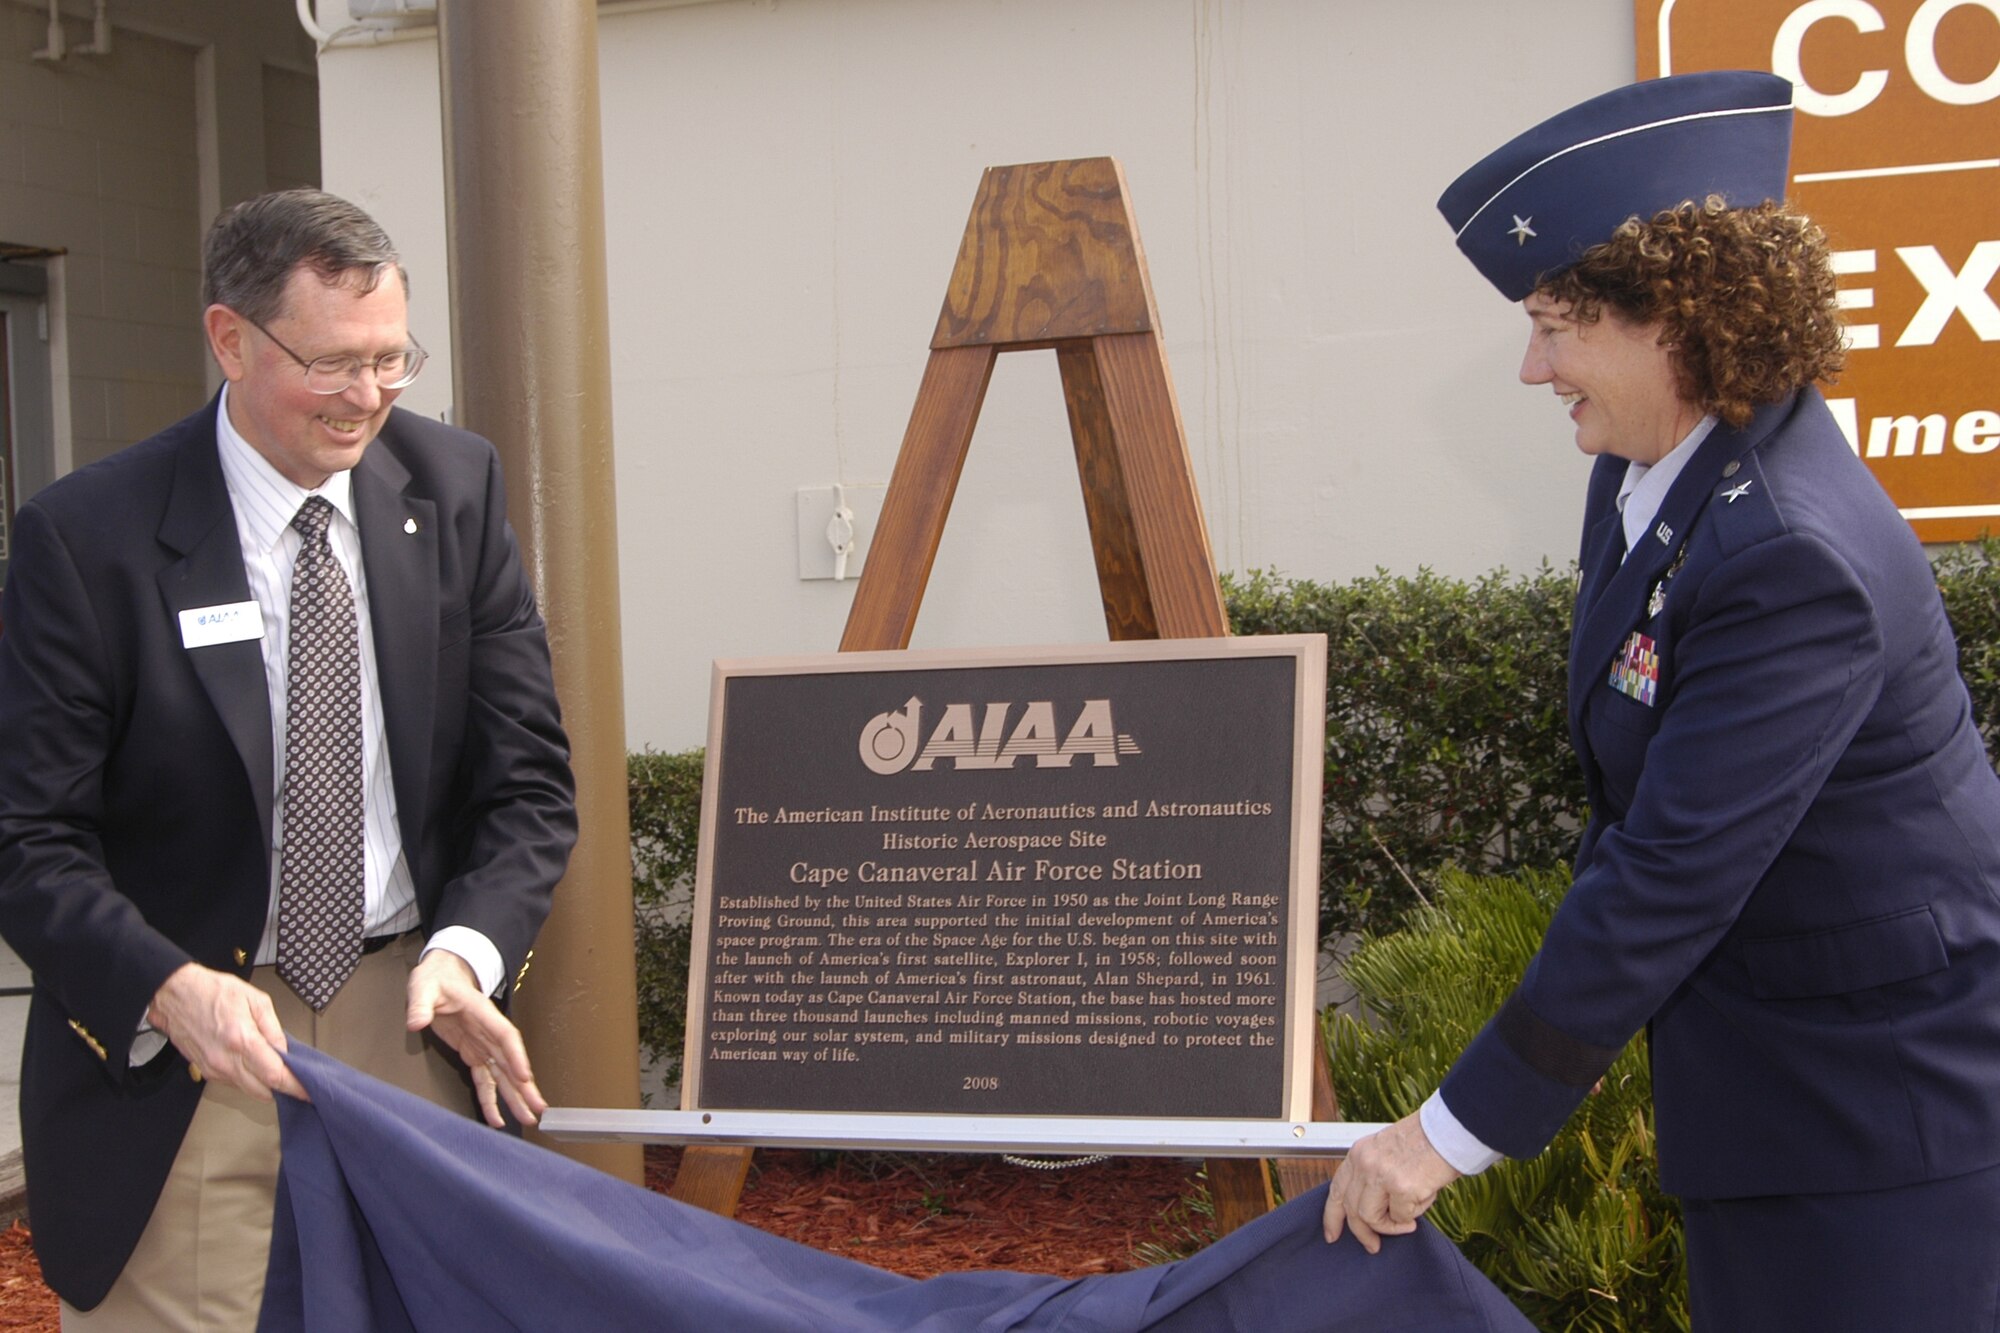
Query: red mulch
{"points": [[918, 1216], [24, 1302], [923, 1215]]}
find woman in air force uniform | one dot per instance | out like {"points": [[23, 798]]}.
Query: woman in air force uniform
{"points": [[1789, 875]]}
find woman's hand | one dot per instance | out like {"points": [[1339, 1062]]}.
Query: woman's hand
{"points": [[1386, 1183]]}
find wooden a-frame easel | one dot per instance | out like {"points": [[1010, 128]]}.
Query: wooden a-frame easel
{"points": [[1051, 259]]}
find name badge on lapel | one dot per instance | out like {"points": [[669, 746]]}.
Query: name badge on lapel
{"points": [[231, 622], [1636, 669]]}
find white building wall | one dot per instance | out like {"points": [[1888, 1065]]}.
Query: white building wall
{"points": [[786, 185]]}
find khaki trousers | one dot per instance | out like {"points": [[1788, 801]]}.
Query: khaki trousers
{"points": [[200, 1263]]}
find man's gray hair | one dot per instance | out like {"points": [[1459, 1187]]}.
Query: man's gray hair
{"points": [[253, 248]]}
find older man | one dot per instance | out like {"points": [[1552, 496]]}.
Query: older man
{"points": [[283, 756]]}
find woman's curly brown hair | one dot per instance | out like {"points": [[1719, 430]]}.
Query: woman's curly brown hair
{"points": [[1744, 298]]}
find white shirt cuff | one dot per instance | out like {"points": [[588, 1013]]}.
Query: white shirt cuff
{"points": [[1453, 1141], [477, 951], [149, 1043]]}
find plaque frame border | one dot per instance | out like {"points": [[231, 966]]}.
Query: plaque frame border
{"points": [[1308, 733]]}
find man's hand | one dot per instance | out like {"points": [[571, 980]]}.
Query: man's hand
{"points": [[445, 997], [1386, 1183], [226, 1028]]}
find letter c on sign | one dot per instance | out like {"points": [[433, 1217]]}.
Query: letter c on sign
{"points": [[1791, 36], [1920, 53]]}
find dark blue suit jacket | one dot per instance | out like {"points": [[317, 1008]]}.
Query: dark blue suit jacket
{"points": [[136, 777], [1792, 866]]}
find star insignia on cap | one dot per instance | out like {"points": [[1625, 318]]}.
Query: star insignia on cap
{"points": [[1521, 231]]}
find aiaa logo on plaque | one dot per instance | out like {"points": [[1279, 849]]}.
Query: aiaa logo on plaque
{"points": [[889, 741]]}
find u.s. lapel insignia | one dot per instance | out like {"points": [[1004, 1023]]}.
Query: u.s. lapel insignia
{"points": [[1636, 669]]}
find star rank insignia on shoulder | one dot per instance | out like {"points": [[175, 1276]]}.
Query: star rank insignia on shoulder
{"points": [[1737, 492]]}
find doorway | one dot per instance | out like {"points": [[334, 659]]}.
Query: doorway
{"points": [[27, 430]]}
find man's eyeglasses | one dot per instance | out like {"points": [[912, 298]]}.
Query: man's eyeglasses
{"points": [[336, 374]]}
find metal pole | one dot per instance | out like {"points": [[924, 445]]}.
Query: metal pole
{"points": [[524, 202]]}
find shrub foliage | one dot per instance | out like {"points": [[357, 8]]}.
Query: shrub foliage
{"points": [[665, 796], [1447, 740], [1580, 1237], [1969, 578]]}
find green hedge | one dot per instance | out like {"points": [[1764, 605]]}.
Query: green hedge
{"points": [[666, 821], [1446, 739], [1446, 745], [1969, 578]]}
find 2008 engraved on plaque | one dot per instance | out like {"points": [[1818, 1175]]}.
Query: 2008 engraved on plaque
{"points": [[1052, 881]]}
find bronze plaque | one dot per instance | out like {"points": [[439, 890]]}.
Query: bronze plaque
{"points": [[1073, 881]]}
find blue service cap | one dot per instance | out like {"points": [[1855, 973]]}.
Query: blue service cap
{"points": [[1531, 208]]}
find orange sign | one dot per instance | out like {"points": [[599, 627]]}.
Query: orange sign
{"points": [[1894, 154]]}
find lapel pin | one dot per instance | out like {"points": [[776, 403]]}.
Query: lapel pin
{"points": [[1658, 601], [1665, 534], [1735, 493], [410, 526]]}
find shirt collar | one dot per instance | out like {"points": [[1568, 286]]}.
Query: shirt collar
{"points": [[265, 499], [1645, 486]]}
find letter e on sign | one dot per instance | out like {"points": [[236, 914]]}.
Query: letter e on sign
{"points": [[1896, 153]]}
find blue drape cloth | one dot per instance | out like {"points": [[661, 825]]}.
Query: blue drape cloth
{"points": [[395, 1215]]}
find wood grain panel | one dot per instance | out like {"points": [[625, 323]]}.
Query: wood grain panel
{"points": [[712, 1178], [1240, 1188], [1296, 1175], [918, 499], [1050, 252], [1121, 578], [1166, 512]]}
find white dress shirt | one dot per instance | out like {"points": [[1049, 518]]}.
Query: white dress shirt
{"points": [[1640, 496], [265, 502], [1645, 486]]}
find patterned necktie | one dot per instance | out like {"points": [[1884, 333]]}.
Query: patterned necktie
{"points": [[320, 866]]}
